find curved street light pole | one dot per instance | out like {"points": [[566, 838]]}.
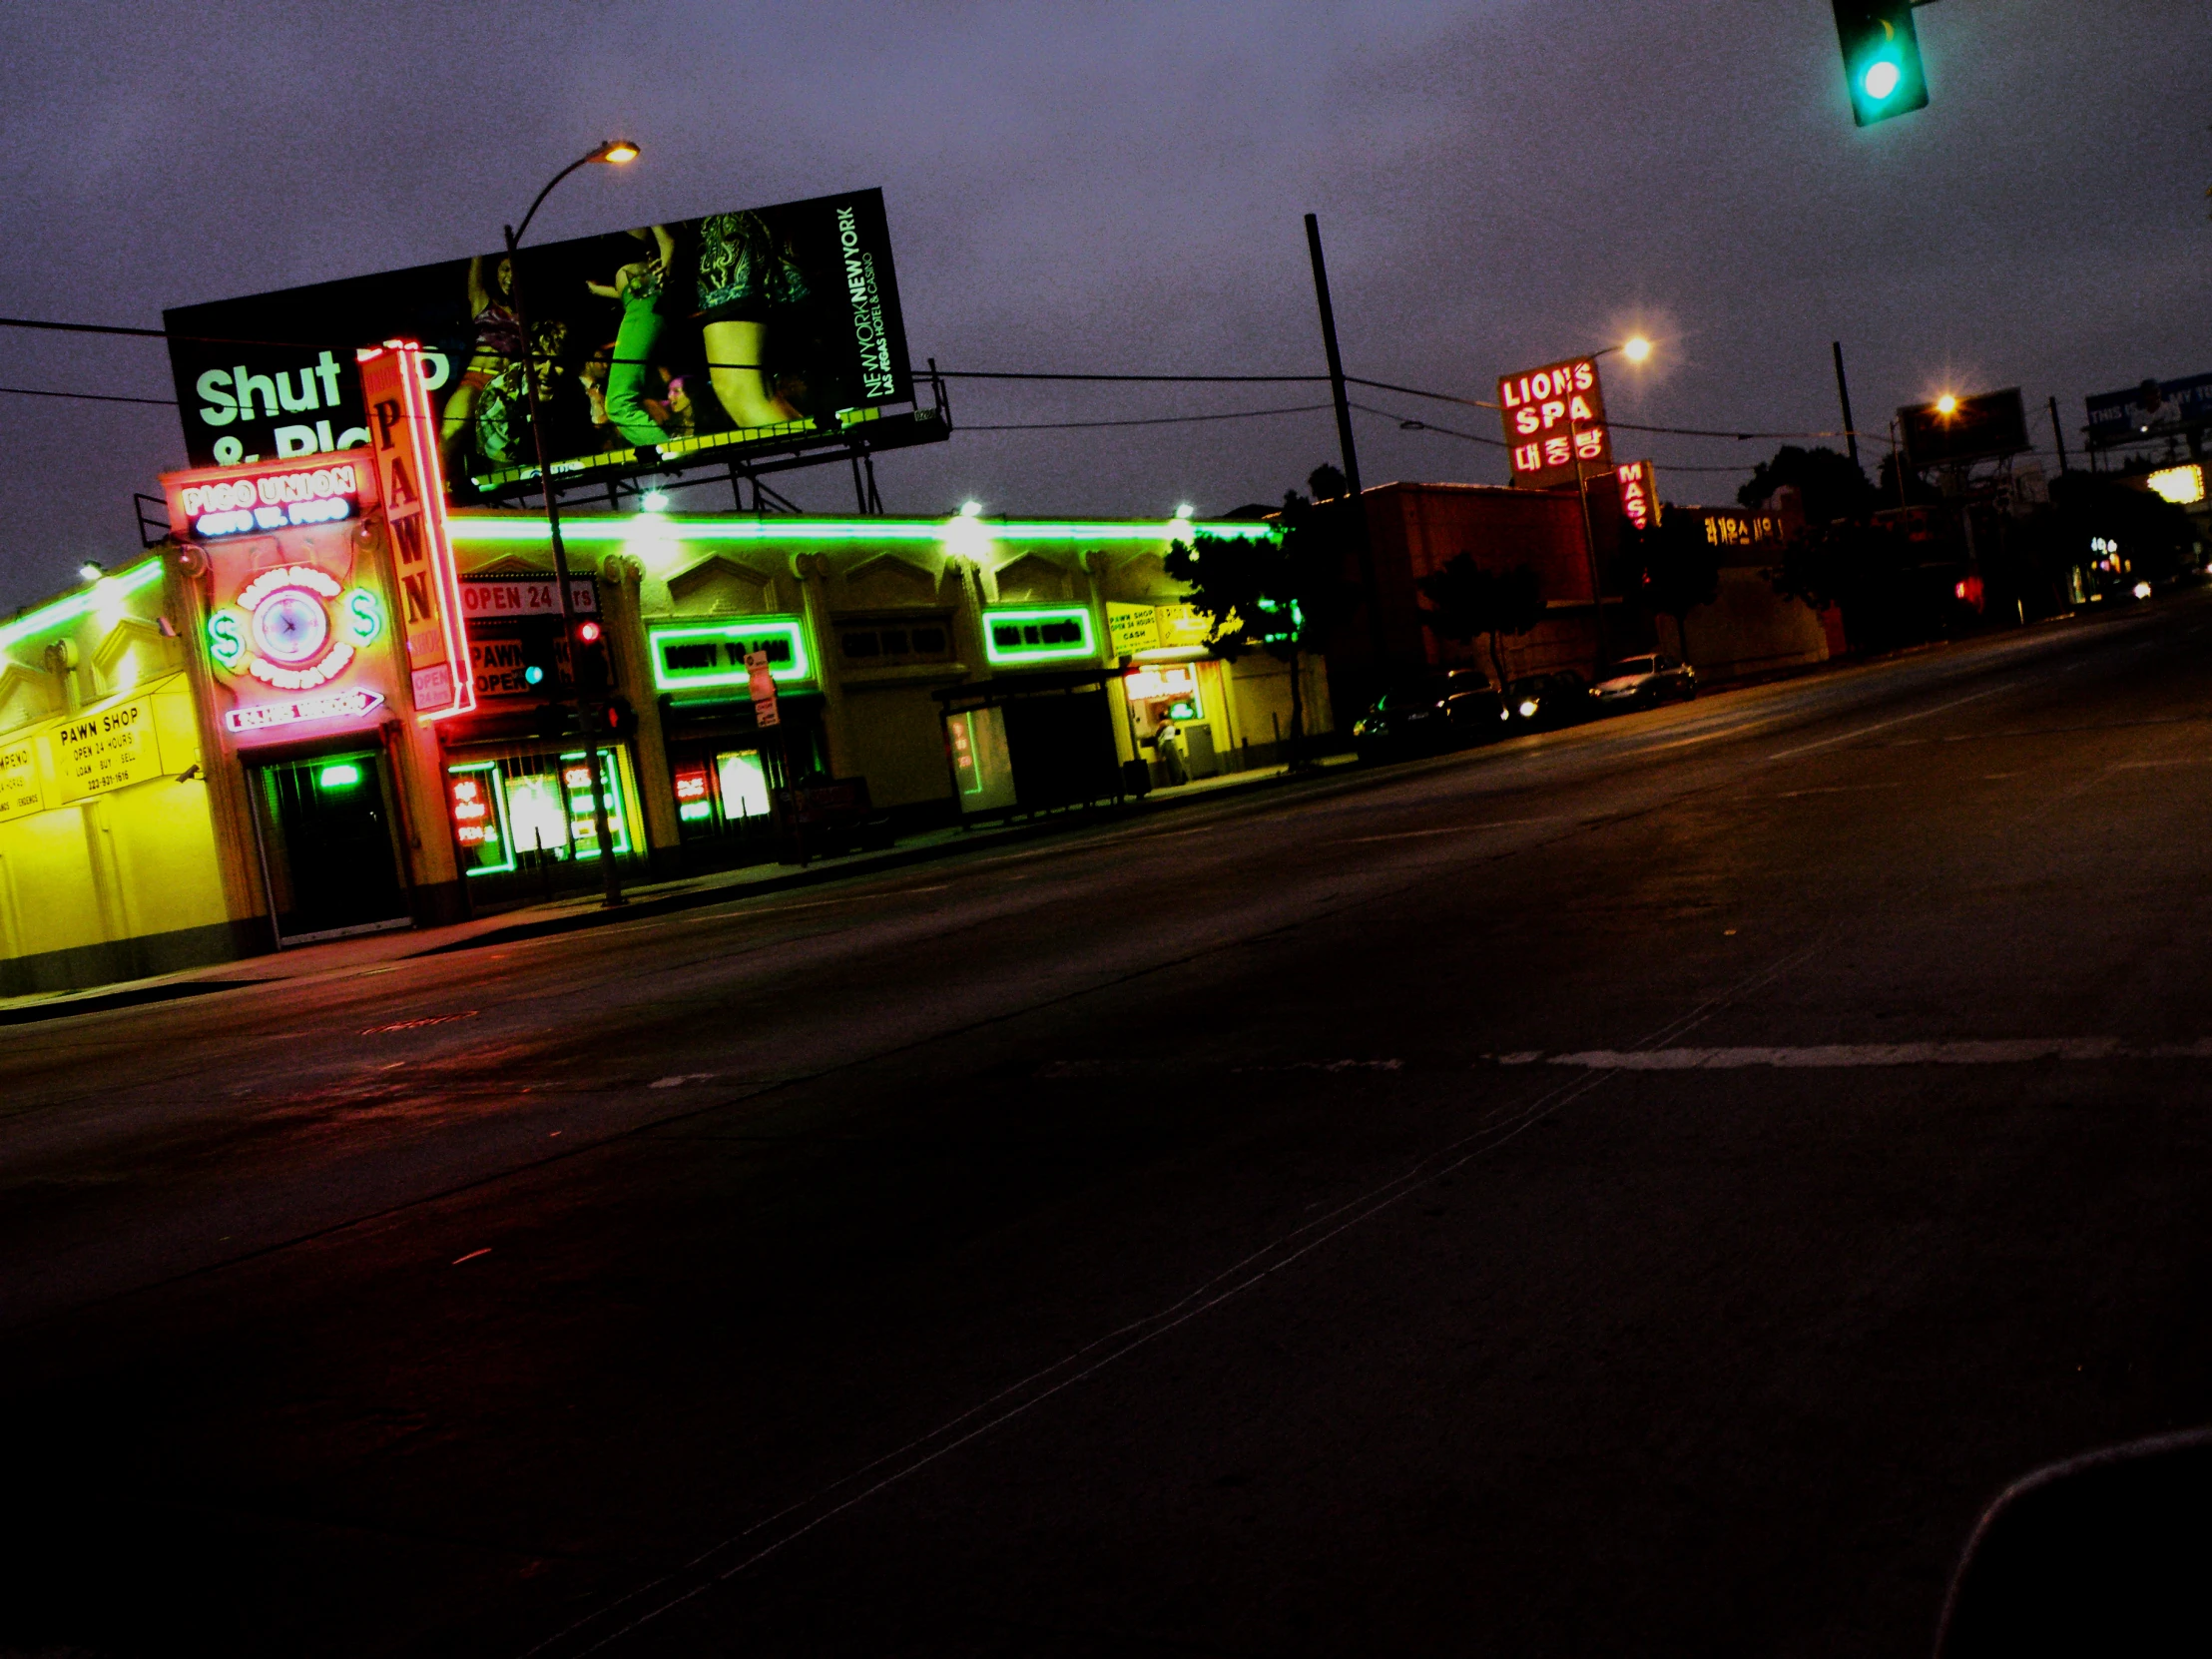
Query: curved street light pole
{"points": [[591, 713]]}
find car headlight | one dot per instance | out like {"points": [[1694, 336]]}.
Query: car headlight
{"points": [[2143, 590], [1528, 707]]}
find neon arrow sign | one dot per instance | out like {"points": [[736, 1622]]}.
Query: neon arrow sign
{"points": [[350, 703]]}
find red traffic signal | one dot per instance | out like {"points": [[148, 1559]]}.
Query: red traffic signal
{"points": [[618, 719], [588, 633]]}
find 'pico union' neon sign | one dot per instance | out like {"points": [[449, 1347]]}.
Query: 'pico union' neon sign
{"points": [[278, 502]]}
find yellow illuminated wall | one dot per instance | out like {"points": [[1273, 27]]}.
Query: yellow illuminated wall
{"points": [[108, 858]]}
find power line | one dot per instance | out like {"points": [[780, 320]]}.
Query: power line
{"points": [[1154, 420], [87, 396]]}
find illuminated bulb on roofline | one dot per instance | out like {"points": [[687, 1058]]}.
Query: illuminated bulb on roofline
{"points": [[1183, 512], [972, 509], [655, 502], [89, 572]]}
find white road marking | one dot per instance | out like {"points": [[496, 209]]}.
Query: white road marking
{"points": [[1449, 829], [2177, 761], [681, 1078], [1885, 724], [1827, 1056]]}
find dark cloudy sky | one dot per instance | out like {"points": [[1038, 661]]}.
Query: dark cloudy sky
{"points": [[1119, 187]]}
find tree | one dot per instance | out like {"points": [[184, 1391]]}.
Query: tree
{"points": [[1466, 602], [1830, 485], [1672, 568], [1279, 594]]}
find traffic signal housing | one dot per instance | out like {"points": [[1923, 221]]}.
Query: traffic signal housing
{"points": [[1882, 59]]}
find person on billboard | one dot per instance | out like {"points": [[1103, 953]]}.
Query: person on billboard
{"points": [[639, 287], [748, 284], [498, 347]]}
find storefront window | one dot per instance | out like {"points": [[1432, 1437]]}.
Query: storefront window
{"points": [[524, 809], [743, 780]]}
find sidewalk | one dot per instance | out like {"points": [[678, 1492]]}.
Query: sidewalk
{"points": [[577, 911]]}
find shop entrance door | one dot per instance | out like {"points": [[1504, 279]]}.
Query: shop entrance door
{"points": [[327, 849]]}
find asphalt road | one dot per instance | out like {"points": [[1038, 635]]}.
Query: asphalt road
{"points": [[1636, 1190]]}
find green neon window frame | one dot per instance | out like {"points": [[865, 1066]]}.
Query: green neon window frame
{"points": [[1084, 646], [747, 630], [581, 825], [498, 811]]}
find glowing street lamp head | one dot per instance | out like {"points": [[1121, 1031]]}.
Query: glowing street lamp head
{"points": [[616, 151], [1947, 405], [1636, 349]]}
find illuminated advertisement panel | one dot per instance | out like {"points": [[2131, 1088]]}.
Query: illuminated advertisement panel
{"points": [[298, 628], [710, 655], [1014, 634], [1556, 422], [1639, 494], [404, 450], [662, 341]]}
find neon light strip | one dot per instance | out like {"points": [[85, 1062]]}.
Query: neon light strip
{"points": [[430, 480], [77, 604], [1077, 614], [790, 628], [488, 531]]}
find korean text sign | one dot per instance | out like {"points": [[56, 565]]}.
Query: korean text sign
{"points": [[1555, 423]]}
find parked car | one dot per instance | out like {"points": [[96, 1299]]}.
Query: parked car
{"points": [[1644, 681], [1429, 715], [1537, 702]]}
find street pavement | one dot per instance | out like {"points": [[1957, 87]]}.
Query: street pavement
{"points": [[1638, 1188]]}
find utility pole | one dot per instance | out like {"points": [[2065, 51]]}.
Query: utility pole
{"points": [[1378, 638], [1843, 392], [2059, 433]]}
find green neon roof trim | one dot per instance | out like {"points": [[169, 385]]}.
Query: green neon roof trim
{"points": [[606, 527], [1023, 615], [666, 678], [74, 605]]}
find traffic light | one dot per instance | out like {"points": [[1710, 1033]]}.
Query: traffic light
{"points": [[594, 673], [618, 719], [1882, 59]]}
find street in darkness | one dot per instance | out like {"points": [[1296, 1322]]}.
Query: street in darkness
{"points": [[1638, 1188]]}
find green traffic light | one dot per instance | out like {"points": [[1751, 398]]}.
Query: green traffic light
{"points": [[1882, 59]]}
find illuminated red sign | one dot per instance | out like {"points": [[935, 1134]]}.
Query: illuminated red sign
{"points": [[236, 506], [472, 812], [403, 439], [1555, 423], [691, 785], [1639, 494]]}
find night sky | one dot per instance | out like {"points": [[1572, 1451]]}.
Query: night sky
{"points": [[1119, 187]]}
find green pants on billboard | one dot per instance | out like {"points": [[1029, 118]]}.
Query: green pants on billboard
{"points": [[634, 342]]}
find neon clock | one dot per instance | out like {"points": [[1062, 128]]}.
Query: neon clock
{"points": [[295, 628]]}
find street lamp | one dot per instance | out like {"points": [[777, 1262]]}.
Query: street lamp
{"points": [[590, 714]]}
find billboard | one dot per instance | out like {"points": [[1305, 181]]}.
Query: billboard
{"points": [[1977, 428], [1555, 423], [2157, 409], [652, 345]]}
